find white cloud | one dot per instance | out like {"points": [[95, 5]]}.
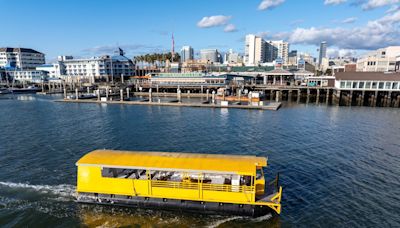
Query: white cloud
{"points": [[335, 52], [393, 9], [269, 4], [372, 4], [349, 20], [334, 2], [230, 28], [375, 34], [213, 21]]}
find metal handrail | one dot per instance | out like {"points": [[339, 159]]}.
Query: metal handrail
{"points": [[228, 188], [207, 187], [173, 184]]}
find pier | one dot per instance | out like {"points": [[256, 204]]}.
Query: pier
{"points": [[269, 106]]}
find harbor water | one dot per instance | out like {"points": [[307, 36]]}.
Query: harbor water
{"points": [[339, 166]]}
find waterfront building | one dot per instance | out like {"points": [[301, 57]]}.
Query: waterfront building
{"points": [[98, 67], [33, 76], [55, 70], [368, 81], [254, 50], [187, 54], [322, 52], [188, 79], [21, 58], [381, 60], [277, 49], [209, 55]]}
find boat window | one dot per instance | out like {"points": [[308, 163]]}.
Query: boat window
{"points": [[245, 180], [259, 173], [124, 173], [213, 178]]}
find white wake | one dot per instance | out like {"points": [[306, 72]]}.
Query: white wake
{"points": [[63, 190]]}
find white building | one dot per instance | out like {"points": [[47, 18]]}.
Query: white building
{"points": [[277, 49], [21, 58], [54, 71], [97, 67], [187, 54], [367, 81], [35, 76], [254, 50], [381, 60]]}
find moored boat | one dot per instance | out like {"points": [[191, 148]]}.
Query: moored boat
{"points": [[206, 183], [29, 89]]}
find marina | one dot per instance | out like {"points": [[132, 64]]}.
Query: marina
{"points": [[315, 148], [217, 114]]}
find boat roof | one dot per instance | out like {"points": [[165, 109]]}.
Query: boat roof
{"points": [[216, 163]]}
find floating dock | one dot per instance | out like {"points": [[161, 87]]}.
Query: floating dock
{"points": [[268, 106]]}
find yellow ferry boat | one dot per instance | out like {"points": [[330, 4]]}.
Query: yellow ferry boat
{"points": [[184, 181]]}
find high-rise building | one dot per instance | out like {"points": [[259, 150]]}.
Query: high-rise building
{"points": [[21, 58], [322, 52], [277, 49], [186, 53], [209, 55], [254, 50]]}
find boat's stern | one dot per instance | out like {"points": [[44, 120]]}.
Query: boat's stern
{"points": [[272, 196]]}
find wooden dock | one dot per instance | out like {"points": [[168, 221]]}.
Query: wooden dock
{"points": [[268, 106]]}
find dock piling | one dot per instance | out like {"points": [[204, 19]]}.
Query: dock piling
{"points": [[150, 94], [107, 92]]}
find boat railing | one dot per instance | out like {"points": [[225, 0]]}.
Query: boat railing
{"points": [[228, 188], [206, 187], [175, 184]]}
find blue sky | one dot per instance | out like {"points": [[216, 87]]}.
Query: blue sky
{"points": [[88, 28]]}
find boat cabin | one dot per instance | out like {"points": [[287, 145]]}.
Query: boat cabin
{"points": [[201, 178]]}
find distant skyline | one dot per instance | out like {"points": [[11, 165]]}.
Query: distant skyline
{"points": [[90, 28]]}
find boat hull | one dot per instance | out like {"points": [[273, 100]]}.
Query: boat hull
{"points": [[174, 204]]}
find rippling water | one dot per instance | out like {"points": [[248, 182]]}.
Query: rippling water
{"points": [[339, 166]]}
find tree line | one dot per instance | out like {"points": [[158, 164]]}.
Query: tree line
{"points": [[151, 58]]}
